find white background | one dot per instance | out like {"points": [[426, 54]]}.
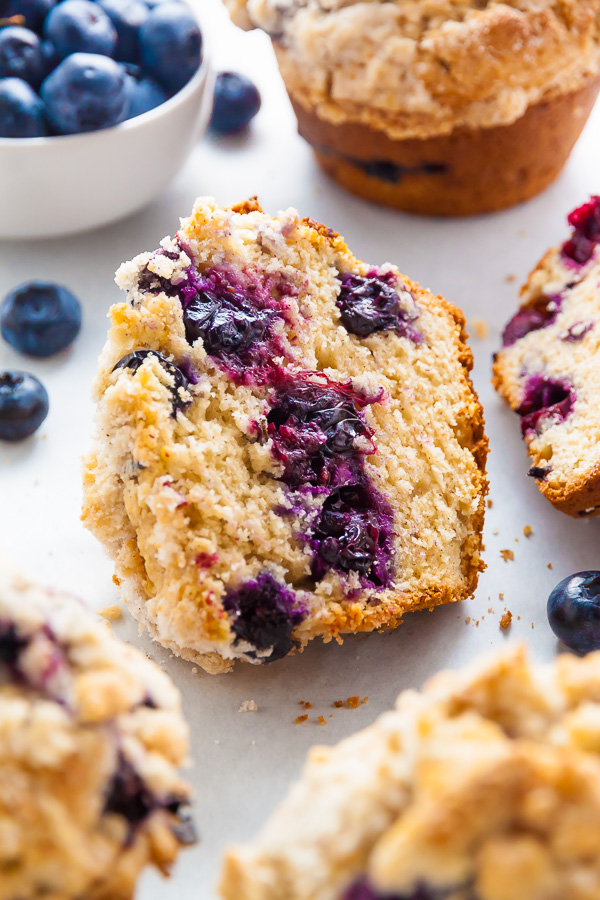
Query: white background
{"points": [[244, 762]]}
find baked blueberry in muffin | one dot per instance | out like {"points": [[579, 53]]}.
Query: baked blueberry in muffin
{"points": [[288, 444], [484, 786], [91, 736], [547, 367]]}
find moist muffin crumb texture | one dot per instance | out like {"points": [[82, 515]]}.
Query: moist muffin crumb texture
{"points": [[288, 444]]}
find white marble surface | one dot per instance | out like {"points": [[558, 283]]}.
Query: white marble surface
{"points": [[244, 762]]}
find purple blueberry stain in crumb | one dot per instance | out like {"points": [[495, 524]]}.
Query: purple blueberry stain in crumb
{"points": [[361, 889], [314, 430], [370, 303], [577, 332], [134, 360], [264, 614], [531, 318], [544, 399], [355, 534], [585, 221]]}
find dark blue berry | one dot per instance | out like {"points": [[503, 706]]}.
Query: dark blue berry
{"points": [[21, 110], [348, 533], [544, 399], [236, 102], [264, 614], [84, 93], [574, 611], [127, 16], [35, 11], [532, 318], [40, 318], [134, 360], [80, 26], [369, 303], [11, 644], [21, 55], [170, 45], [585, 221], [312, 428], [128, 795], [225, 319], [143, 93], [23, 405]]}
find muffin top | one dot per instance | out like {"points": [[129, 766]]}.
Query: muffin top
{"points": [[417, 68]]}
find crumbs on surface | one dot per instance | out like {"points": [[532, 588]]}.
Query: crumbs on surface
{"points": [[506, 619], [321, 720], [490, 503], [351, 702], [507, 554], [480, 329], [527, 530], [115, 579], [112, 613], [305, 703], [300, 719], [248, 706], [510, 278], [549, 566]]}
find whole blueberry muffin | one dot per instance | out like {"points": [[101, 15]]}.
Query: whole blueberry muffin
{"points": [[91, 735], [485, 786], [547, 367], [288, 443], [443, 107]]}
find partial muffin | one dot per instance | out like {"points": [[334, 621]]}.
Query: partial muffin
{"points": [[288, 443], [547, 369], [443, 107], [485, 786], [91, 735]]}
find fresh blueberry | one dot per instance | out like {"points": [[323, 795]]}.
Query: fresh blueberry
{"points": [[134, 360], [264, 614], [236, 102], [369, 303], [170, 45], [23, 405], [35, 11], [144, 93], [574, 611], [79, 26], [40, 318], [128, 795], [21, 55], [11, 644], [86, 92], [544, 399], [127, 16], [21, 110]]}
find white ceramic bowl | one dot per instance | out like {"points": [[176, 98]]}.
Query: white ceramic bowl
{"points": [[60, 185]]}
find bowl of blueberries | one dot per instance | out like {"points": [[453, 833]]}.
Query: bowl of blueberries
{"points": [[101, 103]]}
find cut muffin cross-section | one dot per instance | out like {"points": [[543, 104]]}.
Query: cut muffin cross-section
{"points": [[547, 369], [288, 444]]}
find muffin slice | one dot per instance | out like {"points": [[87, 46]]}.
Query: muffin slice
{"points": [[485, 786], [91, 736], [288, 443], [547, 369]]}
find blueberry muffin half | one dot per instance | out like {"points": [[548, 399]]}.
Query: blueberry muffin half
{"points": [[547, 369], [288, 443], [91, 735], [485, 786], [442, 107]]}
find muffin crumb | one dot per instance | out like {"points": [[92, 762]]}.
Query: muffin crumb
{"points": [[248, 706], [112, 613], [506, 619]]}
